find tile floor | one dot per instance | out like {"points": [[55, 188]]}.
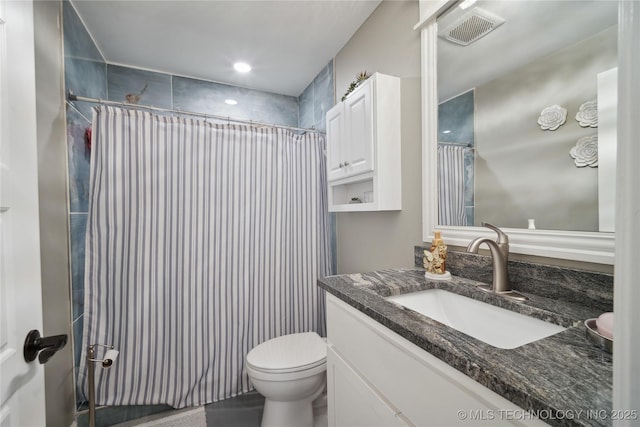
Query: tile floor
{"points": [[240, 411]]}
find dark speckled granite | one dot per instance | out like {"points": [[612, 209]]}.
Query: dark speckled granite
{"points": [[582, 287], [564, 372]]}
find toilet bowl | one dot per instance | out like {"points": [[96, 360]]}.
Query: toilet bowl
{"points": [[290, 372]]}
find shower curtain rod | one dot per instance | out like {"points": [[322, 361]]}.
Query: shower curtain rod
{"points": [[453, 144], [72, 97]]}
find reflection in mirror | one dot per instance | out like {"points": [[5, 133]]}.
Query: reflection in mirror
{"points": [[525, 112]]}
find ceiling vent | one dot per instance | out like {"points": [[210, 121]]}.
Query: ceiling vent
{"points": [[473, 25]]}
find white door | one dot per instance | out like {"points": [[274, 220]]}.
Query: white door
{"points": [[22, 383]]}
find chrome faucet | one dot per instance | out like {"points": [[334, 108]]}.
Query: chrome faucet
{"points": [[500, 255]]}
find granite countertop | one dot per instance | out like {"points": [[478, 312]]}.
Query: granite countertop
{"points": [[565, 377]]}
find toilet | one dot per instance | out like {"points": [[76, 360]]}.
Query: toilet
{"points": [[290, 372]]}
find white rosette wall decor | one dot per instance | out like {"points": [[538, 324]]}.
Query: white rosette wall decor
{"points": [[551, 118], [587, 114], [585, 153]]}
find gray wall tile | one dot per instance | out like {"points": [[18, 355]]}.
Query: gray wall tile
{"points": [[77, 41], [457, 115], [306, 105], [78, 325], [78, 231], [122, 81], [317, 99], [470, 210], [208, 97], [323, 95], [272, 108], [78, 162], [85, 78]]}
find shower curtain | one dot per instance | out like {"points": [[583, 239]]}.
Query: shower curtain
{"points": [[451, 209], [203, 240]]}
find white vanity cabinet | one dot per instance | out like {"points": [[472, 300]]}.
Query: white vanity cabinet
{"points": [[374, 374], [363, 147]]}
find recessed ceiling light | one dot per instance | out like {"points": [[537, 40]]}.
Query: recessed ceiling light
{"points": [[231, 101], [446, 131], [242, 67]]}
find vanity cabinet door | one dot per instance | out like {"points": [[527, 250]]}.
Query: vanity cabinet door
{"points": [[353, 402]]}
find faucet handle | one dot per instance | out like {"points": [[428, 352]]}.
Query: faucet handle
{"points": [[502, 236]]}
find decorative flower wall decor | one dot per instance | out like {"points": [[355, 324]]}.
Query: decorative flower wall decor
{"points": [[551, 118], [587, 114], [585, 153], [134, 98]]}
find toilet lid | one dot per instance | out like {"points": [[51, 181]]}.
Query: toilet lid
{"points": [[287, 353]]}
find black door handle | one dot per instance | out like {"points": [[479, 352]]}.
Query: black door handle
{"points": [[46, 346]]}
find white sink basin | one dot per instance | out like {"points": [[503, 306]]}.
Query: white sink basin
{"points": [[494, 325]]}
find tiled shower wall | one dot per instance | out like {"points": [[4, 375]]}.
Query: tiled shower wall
{"points": [[87, 74], [456, 125], [317, 99]]}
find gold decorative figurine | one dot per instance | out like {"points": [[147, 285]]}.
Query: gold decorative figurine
{"points": [[434, 259]]}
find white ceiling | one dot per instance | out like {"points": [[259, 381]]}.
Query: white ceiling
{"points": [[532, 29], [286, 42]]}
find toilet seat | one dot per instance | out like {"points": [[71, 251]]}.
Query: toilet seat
{"points": [[288, 354], [287, 370]]}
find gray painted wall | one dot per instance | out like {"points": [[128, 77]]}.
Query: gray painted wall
{"points": [[52, 188], [524, 172], [386, 43]]}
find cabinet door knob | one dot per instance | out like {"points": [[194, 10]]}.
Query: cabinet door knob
{"points": [[341, 165], [346, 164]]}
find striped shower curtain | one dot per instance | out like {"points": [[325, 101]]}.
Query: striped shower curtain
{"points": [[451, 209], [203, 240]]}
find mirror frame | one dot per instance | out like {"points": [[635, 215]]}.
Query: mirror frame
{"points": [[573, 245]]}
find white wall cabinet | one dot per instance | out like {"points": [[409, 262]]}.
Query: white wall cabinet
{"points": [[364, 148], [403, 379], [350, 141]]}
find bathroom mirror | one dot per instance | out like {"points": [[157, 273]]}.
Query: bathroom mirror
{"points": [[512, 106]]}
